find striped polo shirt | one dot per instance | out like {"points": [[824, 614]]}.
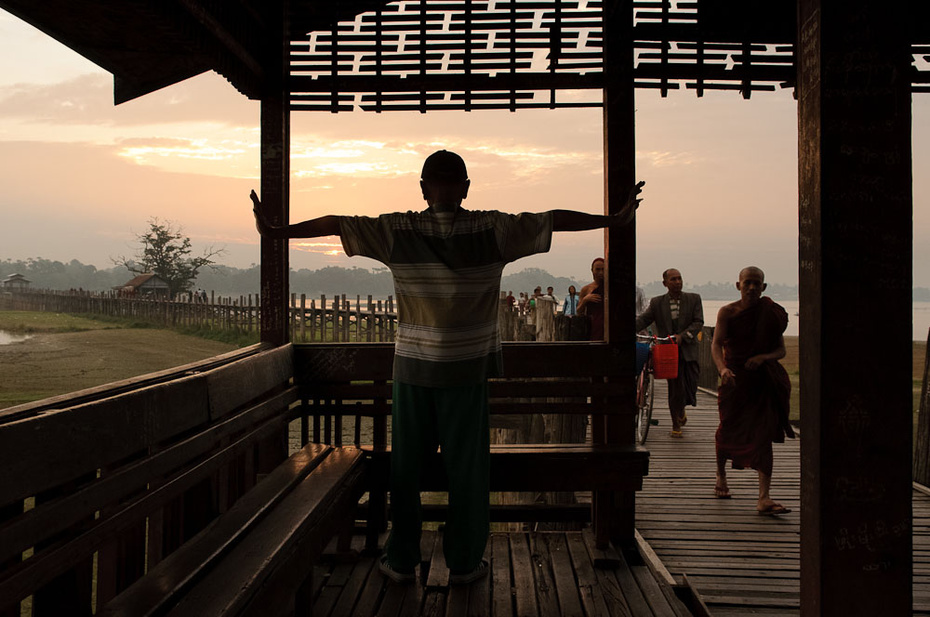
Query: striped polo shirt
{"points": [[447, 270]]}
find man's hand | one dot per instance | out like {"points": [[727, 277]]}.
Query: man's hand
{"points": [[633, 199], [262, 224], [726, 377], [625, 215]]}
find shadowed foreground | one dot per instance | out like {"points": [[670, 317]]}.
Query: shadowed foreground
{"points": [[549, 573]]}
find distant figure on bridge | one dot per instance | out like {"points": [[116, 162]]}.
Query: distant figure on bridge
{"points": [[754, 390], [678, 314], [570, 303], [447, 263], [591, 301]]}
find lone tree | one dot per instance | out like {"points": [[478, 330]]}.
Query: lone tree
{"points": [[164, 250]]}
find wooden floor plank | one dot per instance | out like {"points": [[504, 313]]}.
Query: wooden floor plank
{"points": [[547, 601], [479, 593], [501, 594], [524, 588], [535, 574], [592, 596], [630, 590], [740, 563], [563, 575], [438, 570]]}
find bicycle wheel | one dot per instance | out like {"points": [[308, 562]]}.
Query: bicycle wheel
{"points": [[645, 395]]}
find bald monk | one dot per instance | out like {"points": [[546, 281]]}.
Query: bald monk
{"points": [[754, 388]]}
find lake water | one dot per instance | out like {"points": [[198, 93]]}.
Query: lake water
{"points": [[7, 337], [921, 316]]}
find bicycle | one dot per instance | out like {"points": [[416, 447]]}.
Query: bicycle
{"points": [[645, 385]]}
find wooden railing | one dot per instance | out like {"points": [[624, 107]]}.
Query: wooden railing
{"points": [[348, 387], [159, 474]]}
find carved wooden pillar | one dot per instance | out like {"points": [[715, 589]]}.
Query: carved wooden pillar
{"points": [[619, 253], [855, 273], [275, 146]]}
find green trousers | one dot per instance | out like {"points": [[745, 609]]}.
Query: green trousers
{"points": [[454, 419]]}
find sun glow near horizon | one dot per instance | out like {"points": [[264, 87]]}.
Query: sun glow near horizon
{"points": [[79, 173]]}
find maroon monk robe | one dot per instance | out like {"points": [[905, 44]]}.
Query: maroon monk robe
{"points": [[754, 409]]}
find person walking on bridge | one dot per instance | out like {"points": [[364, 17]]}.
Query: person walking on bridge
{"points": [[447, 264], [753, 398], [680, 315]]}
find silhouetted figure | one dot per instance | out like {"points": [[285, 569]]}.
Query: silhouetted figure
{"points": [[447, 263], [680, 315], [754, 390]]}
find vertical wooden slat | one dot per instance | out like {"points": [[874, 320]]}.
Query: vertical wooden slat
{"points": [[10, 607], [69, 593]]}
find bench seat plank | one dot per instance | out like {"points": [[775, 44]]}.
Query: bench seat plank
{"points": [[168, 580], [539, 467], [278, 552]]}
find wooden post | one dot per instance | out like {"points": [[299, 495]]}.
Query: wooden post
{"points": [[856, 211], [345, 319], [303, 318], [322, 318], [922, 452], [275, 147], [613, 514]]}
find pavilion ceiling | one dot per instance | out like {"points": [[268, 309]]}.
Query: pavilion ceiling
{"points": [[438, 54]]}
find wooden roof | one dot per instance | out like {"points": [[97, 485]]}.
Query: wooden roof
{"points": [[437, 54], [151, 280]]}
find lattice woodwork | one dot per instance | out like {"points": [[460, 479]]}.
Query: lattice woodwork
{"points": [[487, 54]]}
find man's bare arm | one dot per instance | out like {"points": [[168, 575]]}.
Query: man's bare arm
{"points": [[314, 228], [570, 220]]}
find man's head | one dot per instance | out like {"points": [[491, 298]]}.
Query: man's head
{"points": [[537, 291], [597, 270], [444, 180], [671, 278], [751, 284], [549, 291]]}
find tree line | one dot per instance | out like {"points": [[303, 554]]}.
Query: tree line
{"points": [[331, 280]]}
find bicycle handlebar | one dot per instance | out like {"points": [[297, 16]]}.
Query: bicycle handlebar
{"points": [[653, 338]]}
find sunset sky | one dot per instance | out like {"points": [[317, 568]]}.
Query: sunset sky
{"points": [[80, 176]]}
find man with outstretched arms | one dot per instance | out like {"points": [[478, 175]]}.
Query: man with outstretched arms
{"points": [[447, 263]]}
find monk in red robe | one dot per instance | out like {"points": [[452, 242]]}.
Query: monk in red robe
{"points": [[754, 389]]}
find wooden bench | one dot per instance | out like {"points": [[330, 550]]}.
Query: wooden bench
{"points": [[187, 480], [256, 558], [351, 381]]}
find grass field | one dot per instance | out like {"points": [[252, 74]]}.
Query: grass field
{"points": [[66, 353]]}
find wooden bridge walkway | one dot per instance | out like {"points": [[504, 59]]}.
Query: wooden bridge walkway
{"points": [[739, 562], [535, 574]]}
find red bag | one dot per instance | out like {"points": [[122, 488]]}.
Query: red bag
{"points": [[665, 361]]}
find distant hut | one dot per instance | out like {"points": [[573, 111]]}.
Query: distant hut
{"points": [[16, 282], [145, 285]]}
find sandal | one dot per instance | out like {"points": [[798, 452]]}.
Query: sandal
{"points": [[395, 575], [480, 571], [675, 434], [722, 492], [774, 509]]}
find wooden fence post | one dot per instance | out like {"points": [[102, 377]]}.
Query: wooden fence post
{"points": [[922, 447]]}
